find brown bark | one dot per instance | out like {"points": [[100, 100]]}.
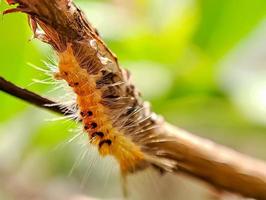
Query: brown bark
{"points": [[219, 166]]}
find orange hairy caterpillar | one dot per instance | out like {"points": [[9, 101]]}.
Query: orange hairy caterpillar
{"points": [[115, 118], [94, 114]]}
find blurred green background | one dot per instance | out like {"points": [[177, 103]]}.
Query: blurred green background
{"points": [[201, 63]]}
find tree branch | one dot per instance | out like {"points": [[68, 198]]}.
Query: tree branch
{"points": [[219, 166]]}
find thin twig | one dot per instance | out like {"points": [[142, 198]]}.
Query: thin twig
{"points": [[28, 96]]}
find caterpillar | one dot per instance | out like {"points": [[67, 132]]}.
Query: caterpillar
{"points": [[115, 118], [95, 99]]}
